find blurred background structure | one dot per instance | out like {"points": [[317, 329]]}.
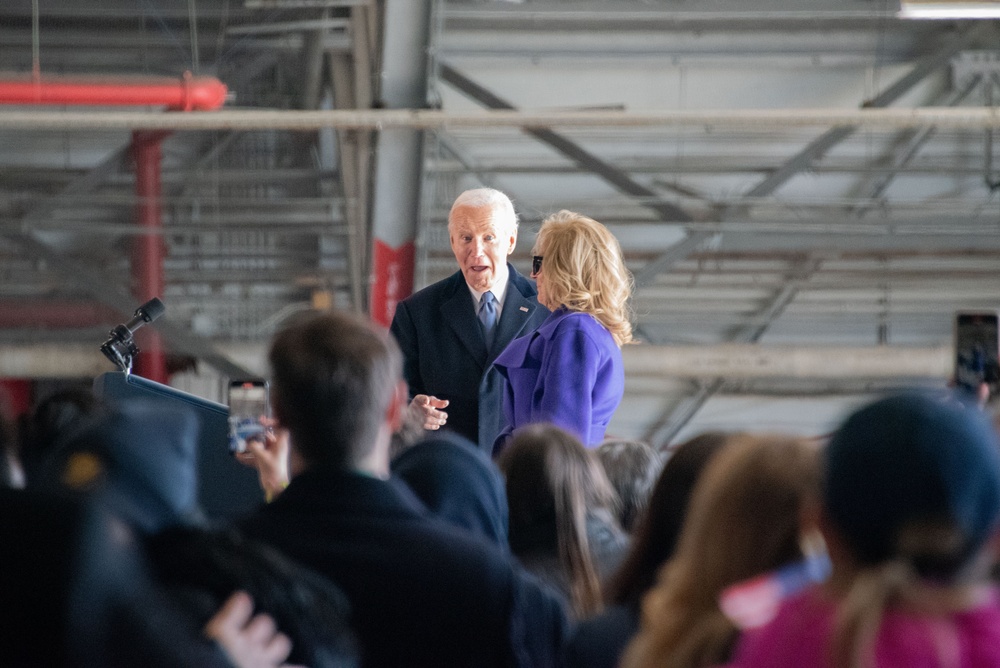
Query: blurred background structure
{"points": [[805, 192]]}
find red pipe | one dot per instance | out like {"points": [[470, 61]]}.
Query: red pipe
{"points": [[15, 397], [185, 94], [148, 249]]}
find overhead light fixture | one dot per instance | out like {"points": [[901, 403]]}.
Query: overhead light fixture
{"points": [[949, 9]]}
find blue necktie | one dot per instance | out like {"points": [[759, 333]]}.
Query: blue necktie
{"points": [[488, 316]]}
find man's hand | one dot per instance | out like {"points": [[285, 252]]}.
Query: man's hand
{"points": [[269, 457], [428, 411], [249, 641]]}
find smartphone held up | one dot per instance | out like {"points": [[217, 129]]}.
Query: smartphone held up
{"points": [[977, 350], [248, 404]]}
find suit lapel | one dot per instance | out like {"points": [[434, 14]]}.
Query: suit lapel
{"points": [[460, 314], [516, 312]]}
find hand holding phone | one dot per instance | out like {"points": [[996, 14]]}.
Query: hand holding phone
{"points": [[977, 350], [249, 408], [269, 458]]}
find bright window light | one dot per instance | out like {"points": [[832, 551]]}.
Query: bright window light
{"points": [[949, 9]]}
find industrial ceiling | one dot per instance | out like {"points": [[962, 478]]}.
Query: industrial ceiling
{"points": [[790, 183]]}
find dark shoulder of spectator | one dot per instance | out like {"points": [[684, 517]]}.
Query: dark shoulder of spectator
{"points": [[200, 568], [52, 418]]}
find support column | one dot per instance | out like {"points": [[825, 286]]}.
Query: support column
{"points": [[148, 249], [399, 156]]}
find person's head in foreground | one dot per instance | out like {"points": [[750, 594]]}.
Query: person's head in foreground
{"points": [[553, 482], [337, 387], [632, 468], [743, 522], [655, 538], [459, 483], [579, 265], [911, 496], [910, 502]]}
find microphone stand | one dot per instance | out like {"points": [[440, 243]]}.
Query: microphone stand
{"points": [[120, 348]]}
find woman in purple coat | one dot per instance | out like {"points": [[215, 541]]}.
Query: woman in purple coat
{"points": [[569, 371]]}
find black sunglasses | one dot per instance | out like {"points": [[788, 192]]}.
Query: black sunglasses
{"points": [[536, 264]]}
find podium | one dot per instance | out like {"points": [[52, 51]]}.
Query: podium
{"points": [[226, 488]]}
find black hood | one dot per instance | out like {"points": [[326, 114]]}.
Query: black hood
{"points": [[458, 482], [139, 457]]}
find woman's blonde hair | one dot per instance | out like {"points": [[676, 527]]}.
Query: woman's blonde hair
{"points": [[584, 270], [743, 521]]}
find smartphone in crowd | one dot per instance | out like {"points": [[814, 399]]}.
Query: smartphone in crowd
{"points": [[249, 401], [977, 350]]}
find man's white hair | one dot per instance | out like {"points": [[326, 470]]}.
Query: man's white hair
{"points": [[501, 205]]}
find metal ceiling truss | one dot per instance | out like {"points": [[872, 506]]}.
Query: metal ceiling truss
{"points": [[50, 212], [253, 241], [663, 430]]}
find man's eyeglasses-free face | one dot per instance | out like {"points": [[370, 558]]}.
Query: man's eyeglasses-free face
{"points": [[536, 264]]}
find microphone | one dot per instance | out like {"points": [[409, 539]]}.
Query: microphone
{"points": [[120, 348], [146, 313]]}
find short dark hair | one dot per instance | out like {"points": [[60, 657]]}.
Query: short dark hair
{"points": [[332, 379], [632, 468]]}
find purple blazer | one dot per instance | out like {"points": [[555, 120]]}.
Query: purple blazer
{"points": [[568, 372]]}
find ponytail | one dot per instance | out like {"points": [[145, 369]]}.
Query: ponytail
{"points": [[860, 615], [894, 584]]}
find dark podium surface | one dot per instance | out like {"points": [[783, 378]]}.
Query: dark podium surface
{"points": [[226, 488]]}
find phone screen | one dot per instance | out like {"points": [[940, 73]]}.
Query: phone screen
{"points": [[977, 347], [248, 402]]}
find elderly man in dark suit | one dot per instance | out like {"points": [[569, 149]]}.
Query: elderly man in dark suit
{"points": [[451, 331], [422, 592]]}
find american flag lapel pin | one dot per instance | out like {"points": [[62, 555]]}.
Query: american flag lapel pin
{"points": [[524, 308]]}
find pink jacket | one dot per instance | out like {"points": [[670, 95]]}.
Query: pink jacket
{"points": [[798, 638]]}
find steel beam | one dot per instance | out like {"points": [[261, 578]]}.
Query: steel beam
{"points": [[915, 139], [470, 165], [109, 291], [351, 78], [103, 288], [39, 210], [965, 118], [740, 361], [587, 160], [673, 255], [834, 136], [669, 424], [735, 362]]}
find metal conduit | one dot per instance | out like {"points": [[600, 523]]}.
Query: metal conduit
{"points": [[732, 361], [185, 94], [965, 118]]}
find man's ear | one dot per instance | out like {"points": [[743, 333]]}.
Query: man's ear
{"points": [[513, 241], [395, 413]]}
